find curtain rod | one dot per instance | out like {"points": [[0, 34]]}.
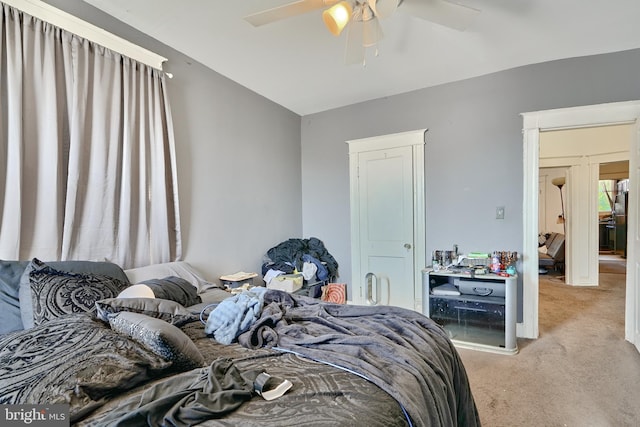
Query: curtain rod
{"points": [[68, 22]]}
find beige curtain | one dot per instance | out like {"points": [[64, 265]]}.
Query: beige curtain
{"points": [[87, 153]]}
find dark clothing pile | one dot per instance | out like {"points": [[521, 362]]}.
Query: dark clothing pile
{"points": [[187, 399], [291, 255]]}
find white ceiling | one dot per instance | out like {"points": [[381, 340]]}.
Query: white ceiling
{"points": [[298, 64]]}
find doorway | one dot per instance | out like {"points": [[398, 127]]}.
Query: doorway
{"points": [[577, 117], [576, 155]]}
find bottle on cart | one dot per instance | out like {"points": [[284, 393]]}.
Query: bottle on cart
{"points": [[435, 262], [495, 263]]}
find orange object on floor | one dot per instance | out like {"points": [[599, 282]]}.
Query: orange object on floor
{"points": [[335, 293]]}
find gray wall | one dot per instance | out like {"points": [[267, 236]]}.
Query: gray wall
{"points": [[473, 152], [236, 199], [236, 202]]}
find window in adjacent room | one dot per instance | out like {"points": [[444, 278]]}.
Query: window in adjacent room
{"points": [[606, 195]]}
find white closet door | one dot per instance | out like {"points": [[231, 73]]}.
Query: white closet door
{"points": [[385, 189]]}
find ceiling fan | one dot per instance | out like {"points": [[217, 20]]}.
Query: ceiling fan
{"points": [[361, 18]]}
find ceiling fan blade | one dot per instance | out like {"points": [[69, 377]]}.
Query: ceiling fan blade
{"points": [[383, 8], [286, 11], [371, 32], [361, 35], [441, 12], [354, 50]]}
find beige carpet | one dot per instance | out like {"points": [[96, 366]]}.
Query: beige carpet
{"points": [[580, 371], [617, 267]]}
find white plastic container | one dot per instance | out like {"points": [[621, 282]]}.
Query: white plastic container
{"points": [[286, 282]]}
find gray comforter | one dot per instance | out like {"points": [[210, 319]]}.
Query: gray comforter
{"points": [[401, 351], [349, 365]]}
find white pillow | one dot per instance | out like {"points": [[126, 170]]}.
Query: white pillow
{"points": [[137, 291], [180, 269]]}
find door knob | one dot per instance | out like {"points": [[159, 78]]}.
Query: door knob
{"points": [[407, 246]]}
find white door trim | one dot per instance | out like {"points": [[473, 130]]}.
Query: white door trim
{"points": [[415, 139], [576, 117]]}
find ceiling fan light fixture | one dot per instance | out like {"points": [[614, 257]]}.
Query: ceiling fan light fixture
{"points": [[337, 17]]}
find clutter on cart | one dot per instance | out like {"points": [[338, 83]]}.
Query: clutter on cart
{"points": [[502, 263]]}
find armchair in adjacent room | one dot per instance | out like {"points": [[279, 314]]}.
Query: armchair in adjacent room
{"points": [[553, 257]]}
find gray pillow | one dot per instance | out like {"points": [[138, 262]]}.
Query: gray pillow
{"points": [[175, 289], [169, 311], [10, 318], [47, 293], [12, 271], [162, 338]]}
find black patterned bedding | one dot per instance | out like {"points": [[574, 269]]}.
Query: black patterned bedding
{"points": [[321, 395], [149, 361], [73, 359]]}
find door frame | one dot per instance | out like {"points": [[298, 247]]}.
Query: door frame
{"points": [[415, 139], [567, 118]]}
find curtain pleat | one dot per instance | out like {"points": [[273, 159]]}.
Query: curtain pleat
{"points": [[88, 153], [11, 90], [43, 162]]}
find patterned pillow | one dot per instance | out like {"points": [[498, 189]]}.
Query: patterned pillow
{"points": [[47, 293], [162, 338], [12, 271], [335, 293]]}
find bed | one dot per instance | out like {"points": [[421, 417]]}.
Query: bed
{"points": [[153, 361]]}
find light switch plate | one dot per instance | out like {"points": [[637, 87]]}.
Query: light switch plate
{"points": [[500, 212]]}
